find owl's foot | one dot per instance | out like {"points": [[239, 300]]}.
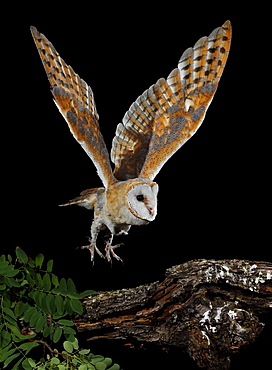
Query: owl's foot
{"points": [[93, 248], [110, 251]]}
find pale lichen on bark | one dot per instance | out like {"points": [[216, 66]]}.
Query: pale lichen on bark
{"points": [[208, 308]]}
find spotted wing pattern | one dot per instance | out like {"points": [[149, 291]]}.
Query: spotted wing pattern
{"points": [[75, 101], [166, 115]]}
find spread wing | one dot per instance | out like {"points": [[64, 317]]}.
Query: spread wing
{"points": [[169, 112], [75, 101]]}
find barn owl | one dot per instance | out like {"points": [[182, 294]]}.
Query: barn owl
{"points": [[156, 125]]}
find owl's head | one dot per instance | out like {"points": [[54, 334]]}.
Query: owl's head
{"points": [[142, 200]]}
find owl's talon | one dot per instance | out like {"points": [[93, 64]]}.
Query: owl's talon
{"points": [[109, 252], [93, 248]]}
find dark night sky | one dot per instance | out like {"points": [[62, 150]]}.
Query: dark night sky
{"points": [[213, 198]]}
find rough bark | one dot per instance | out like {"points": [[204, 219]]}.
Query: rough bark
{"points": [[207, 308]]}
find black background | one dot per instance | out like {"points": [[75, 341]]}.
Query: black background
{"points": [[214, 199]]}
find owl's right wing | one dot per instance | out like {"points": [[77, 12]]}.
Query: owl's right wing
{"points": [[75, 101], [166, 115]]}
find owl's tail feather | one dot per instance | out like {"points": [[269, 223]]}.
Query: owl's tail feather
{"points": [[78, 201], [87, 198]]}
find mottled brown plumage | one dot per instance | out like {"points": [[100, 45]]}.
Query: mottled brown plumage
{"points": [[156, 125]]}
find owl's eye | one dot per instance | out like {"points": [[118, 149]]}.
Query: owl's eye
{"points": [[140, 198]]}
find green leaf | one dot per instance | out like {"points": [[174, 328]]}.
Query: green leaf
{"points": [[11, 282], [46, 331], [100, 366], [68, 346], [28, 364], [21, 255], [18, 334], [3, 286], [66, 322], [5, 338], [4, 265], [68, 330], [97, 358], [31, 281], [84, 352], [57, 335], [50, 301], [2, 258], [15, 366], [61, 367], [19, 309], [39, 260], [73, 295], [40, 323], [31, 362], [71, 286], [9, 312], [52, 331], [59, 304], [49, 267], [67, 306], [39, 280], [107, 361], [55, 280], [34, 318], [87, 293], [76, 306], [44, 306], [75, 343], [55, 361], [91, 367], [29, 313], [9, 316], [28, 346], [5, 352], [46, 281], [57, 316], [12, 273], [83, 367], [115, 367], [6, 303], [23, 308], [36, 295], [9, 359], [31, 266], [63, 285], [9, 258]]}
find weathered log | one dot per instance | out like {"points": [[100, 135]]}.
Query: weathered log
{"points": [[205, 307]]}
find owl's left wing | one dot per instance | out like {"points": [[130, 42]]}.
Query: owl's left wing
{"points": [[75, 101], [169, 112]]}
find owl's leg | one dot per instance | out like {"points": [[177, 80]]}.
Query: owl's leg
{"points": [[110, 250], [93, 248], [95, 228]]}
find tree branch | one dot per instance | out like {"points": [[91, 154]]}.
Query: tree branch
{"points": [[207, 308]]}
